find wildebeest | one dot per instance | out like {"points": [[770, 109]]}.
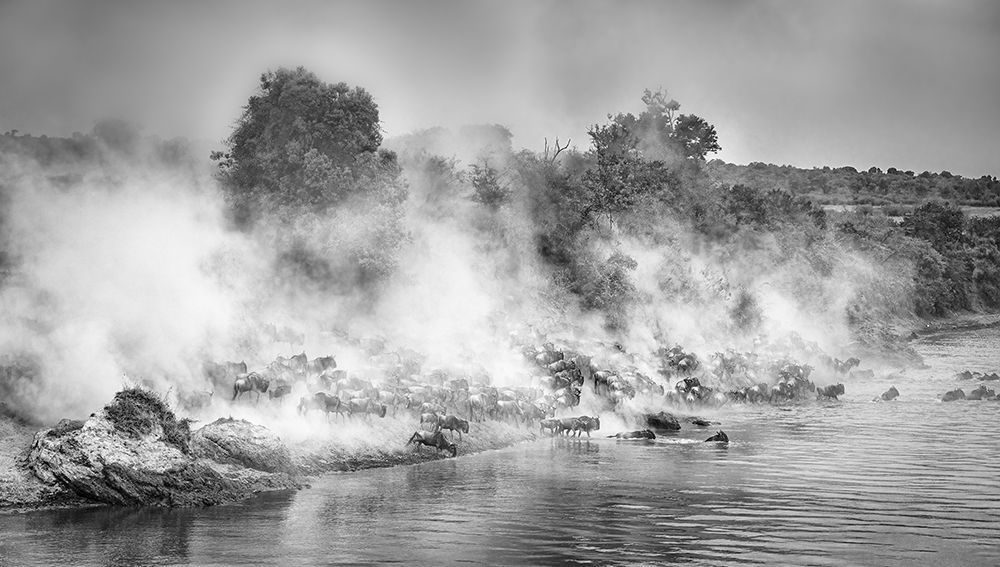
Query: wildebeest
{"points": [[719, 437], [298, 363], [548, 357], [390, 398], [321, 401], [831, 391], [221, 375], [251, 382], [532, 413], [432, 419], [433, 439], [365, 406], [957, 394], [891, 394], [454, 423], [509, 410], [280, 390], [586, 424], [430, 407], [982, 393], [644, 434], [553, 426], [277, 370], [318, 365], [482, 404], [845, 366], [566, 424]]}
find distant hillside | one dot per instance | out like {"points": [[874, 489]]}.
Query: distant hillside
{"points": [[846, 185], [111, 141]]}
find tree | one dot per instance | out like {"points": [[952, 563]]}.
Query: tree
{"points": [[489, 188], [302, 142], [940, 224], [662, 134], [305, 157], [620, 177], [695, 136]]}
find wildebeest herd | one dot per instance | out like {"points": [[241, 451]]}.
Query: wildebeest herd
{"points": [[447, 403]]}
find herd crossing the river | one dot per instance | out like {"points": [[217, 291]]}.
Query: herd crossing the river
{"points": [[447, 404]]}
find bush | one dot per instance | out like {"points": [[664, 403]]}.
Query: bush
{"points": [[136, 412]]}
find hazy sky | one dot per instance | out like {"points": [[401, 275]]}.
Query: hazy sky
{"points": [[913, 84]]}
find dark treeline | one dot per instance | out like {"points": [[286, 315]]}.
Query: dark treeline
{"points": [[307, 162], [847, 185], [109, 139]]}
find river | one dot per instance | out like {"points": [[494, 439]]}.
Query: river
{"points": [[911, 482]]}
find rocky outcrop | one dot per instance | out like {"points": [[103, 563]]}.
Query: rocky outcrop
{"points": [[133, 452], [241, 443]]}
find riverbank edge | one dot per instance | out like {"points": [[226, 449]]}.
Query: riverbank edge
{"points": [[962, 322], [22, 491]]}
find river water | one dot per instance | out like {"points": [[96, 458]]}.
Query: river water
{"points": [[911, 482]]}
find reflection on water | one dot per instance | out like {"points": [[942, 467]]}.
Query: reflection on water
{"points": [[911, 482]]}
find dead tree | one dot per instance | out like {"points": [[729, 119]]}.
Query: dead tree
{"points": [[558, 149]]}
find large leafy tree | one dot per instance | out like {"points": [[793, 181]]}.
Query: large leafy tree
{"points": [[301, 142], [620, 177], [305, 157], [663, 134]]}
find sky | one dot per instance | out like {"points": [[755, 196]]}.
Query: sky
{"points": [[909, 84]]}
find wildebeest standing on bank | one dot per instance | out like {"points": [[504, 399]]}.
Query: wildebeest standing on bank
{"points": [[279, 391], [453, 423], [319, 365], [433, 439], [365, 406], [321, 401], [250, 383]]}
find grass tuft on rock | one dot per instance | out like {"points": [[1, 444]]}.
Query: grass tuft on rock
{"points": [[136, 412]]}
